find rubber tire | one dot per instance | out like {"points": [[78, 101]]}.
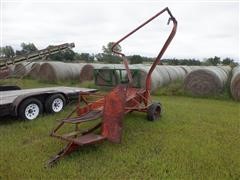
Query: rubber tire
{"points": [[49, 101], [152, 115], [25, 103]]}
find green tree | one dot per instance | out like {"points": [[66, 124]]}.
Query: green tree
{"points": [[227, 61], [213, 61], [7, 52], [136, 59], [108, 49], [108, 56], [26, 48], [85, 57], [67, 55]]}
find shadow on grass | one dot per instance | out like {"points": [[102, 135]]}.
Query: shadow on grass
{"points": [[7, 120]]}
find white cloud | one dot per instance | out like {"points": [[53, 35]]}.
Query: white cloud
{"points": [[204, 29]]}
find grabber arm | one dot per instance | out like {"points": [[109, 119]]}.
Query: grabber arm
{"points": [[157, 60]]}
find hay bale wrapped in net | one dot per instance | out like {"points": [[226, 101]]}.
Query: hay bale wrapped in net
{"points": [[175, 73], [59, 71], [206, 81], [187, 69], [164, 77], [76, 68], [180, 72], [235, 83], [226, 69], [22, 69], [87, 72]]}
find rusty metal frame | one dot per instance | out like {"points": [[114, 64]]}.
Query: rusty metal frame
{"points": [[121, 100]]}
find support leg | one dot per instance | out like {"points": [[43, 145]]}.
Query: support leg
{"points": [[70, 147]]}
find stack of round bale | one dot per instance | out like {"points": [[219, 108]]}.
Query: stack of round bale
{"points": [[204, 81], [235, 83]]}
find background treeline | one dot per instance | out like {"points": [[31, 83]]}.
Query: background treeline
{"points": [[106, 56]]}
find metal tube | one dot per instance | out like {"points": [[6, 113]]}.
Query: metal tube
{"points": [[157, 60]]}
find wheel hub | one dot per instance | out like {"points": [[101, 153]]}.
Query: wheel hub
{"points": [[57, 105], [32, 111]]}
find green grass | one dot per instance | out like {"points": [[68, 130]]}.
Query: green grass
{"points": [[195, 139]]}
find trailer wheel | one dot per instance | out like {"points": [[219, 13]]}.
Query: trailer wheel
{"points": [[55, 103], [30, 109], [154, 111]]}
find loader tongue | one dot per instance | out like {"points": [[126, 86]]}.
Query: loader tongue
{"points": [[113, 113]]}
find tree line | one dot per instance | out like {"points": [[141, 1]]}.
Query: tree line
{"points": [[107, 56]]}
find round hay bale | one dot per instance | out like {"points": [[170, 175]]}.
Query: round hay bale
{"points": [[235, 83], [187, 69], [87, 72], [164, 76], [34, 72], [75, 68], [226, 69], [21, 69], [5, 72], [173, 74], [205, 81], [180, 72], [59, 71], [196, 67]]}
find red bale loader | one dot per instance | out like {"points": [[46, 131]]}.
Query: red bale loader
{"points": [[111, 108]]}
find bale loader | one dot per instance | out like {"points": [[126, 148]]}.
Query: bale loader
{"points": [[112, 107]]}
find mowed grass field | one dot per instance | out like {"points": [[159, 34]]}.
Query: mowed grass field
{"points": [[195, 139]]}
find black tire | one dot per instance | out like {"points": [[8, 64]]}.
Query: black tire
{"points": [[30, 109], [154, 111], [55, 103]]}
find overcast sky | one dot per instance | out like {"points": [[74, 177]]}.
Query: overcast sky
{"points": [[205, 29]]}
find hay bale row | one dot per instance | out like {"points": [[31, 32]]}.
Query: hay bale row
{"points": [[59, 71], [235, 83], [205, 81], [161, 76]]}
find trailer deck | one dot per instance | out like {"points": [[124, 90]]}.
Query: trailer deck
{"points": [[8, 97]]}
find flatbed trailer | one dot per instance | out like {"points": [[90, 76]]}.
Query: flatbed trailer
{"points": [[30, 103]]}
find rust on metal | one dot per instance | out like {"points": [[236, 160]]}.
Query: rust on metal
{"points": [[113, 113]]}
